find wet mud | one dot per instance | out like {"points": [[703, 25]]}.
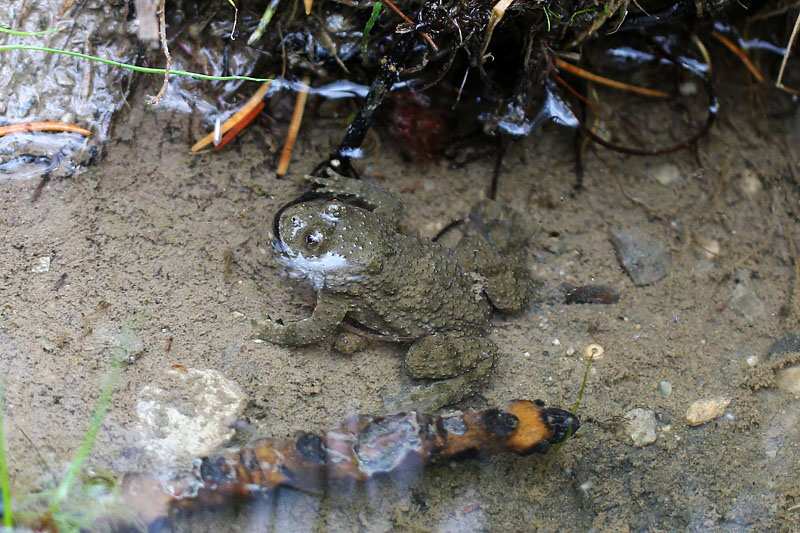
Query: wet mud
{"points": [[173, 248]]}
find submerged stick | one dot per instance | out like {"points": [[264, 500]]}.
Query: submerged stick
{"points": [[43, 126], [237, 117], [294, 127], [364, 447]]}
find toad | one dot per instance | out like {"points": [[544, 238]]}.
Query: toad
{"points": [[342, 238]]}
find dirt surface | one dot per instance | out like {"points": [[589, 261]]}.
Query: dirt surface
{"points": [[174, 248]]}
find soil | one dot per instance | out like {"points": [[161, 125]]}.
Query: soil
{"points": [[174, 247]]}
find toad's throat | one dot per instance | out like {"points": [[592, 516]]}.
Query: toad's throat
{"points": [[328, 270]]}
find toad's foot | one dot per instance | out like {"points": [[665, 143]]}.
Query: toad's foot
{"points": [[465, 362]]}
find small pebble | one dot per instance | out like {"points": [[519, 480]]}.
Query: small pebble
{"points": [[747, 303], [687, 88], [641, 427], [706, 410], [666, 174], [570, 351], [644, 258], [42, 265], [752, 360], [749, 183], [710, 248], [665, 388], [788, 379], [556, 342]]}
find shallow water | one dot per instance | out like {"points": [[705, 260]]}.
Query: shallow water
{"points": [[174, 247]]}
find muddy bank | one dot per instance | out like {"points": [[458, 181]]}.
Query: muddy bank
{"points": [[173, 247]]}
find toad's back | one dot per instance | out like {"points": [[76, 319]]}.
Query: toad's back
{"points": [[419, 291]]}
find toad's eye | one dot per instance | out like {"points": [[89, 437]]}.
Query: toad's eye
{"points": [[313, 239]]}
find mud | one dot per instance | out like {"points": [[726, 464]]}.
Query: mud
{"points": [[174, 248]]}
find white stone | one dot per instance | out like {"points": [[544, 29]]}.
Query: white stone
{"points": [[706, 410], [688, 88], [665, 173], [641, 427], [749, 183], [187, 413], [665, 387], [42, 265], [789, 379]]}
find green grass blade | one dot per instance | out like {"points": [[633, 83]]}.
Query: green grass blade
{"points": [[376, 10], [88, 440], [31, 33], [146, 70]]}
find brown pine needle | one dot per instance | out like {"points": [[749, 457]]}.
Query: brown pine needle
{"points": [[575, 93], [572, 69], [294, 127], [236, 117], [237, 129], [779, 82], [43, 126], [740, 54]]}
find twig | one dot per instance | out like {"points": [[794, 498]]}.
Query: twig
{"points": [[240, 126], [262, 24], [43, 126], [294, 127], [236, 117], [572, 91], [409, 21], [162, 32], [740, 54], [779, 82], [498, 12], [569, 67]]}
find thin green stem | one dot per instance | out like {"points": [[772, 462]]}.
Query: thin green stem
{"points": [[588, 10], [546, 16], [583, 385], [5, 486], [376, 10], [88, 440], [31, 33], [146, 70]]}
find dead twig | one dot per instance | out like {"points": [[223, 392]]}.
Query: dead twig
{"points": [[792, 38], [237, 117], [407, 20], [162, 32], [498, 12], [740, 54], [43, 126], [294, 127], [240, 126]]}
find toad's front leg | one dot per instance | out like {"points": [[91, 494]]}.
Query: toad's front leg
{"points": [[328, 314]]}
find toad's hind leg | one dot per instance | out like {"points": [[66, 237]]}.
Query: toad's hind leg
{"points": [[461, 364]]}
